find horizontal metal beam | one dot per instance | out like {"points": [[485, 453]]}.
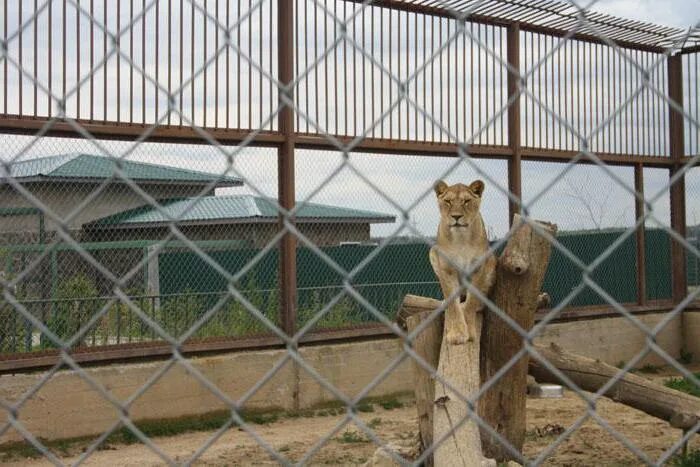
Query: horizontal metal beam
{"points": [[13, 124], [31, 361]]}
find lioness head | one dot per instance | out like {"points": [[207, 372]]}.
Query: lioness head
{"points": [[459, 203]]}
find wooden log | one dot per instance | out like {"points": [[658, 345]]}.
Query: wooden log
{"points": [[680, 410], [457, 443], [519, 277], [427, 346]]}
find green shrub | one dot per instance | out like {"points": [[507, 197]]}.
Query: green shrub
{"points": [[691, 459], [684, 385], [73, 306]]}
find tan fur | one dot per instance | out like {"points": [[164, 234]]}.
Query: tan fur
{"points": [[461, 242]]}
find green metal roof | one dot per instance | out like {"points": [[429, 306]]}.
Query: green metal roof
{"points": [[231, 209], [87, 167]]}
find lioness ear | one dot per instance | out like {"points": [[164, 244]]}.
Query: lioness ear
{"points": [[477, 187], [440, 187]]}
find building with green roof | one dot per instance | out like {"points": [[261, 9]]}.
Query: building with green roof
{"points": [[107, 208], [94, 187], [243, 217]]}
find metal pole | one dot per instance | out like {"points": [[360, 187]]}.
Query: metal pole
{"points": [[285, 167], [678, 254], [514, 163], [641, 236]]}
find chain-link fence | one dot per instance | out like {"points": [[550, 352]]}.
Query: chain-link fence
{"points": [[185, 177]]}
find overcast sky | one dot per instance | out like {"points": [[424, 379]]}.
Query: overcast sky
{"points": [[585, 197]]}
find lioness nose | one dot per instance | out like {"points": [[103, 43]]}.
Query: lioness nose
{"points": [[456, 218]]}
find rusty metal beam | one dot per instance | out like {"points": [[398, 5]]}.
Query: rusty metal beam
{"points": [[25, 362], [12, 124], [285, 167], [514, 130], [639, 208], [678, 221]]}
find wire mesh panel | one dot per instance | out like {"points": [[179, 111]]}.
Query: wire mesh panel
{"points": [[181, 180]]}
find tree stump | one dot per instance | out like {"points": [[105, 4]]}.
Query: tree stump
{"points": [[519, 277], [520, 274]]}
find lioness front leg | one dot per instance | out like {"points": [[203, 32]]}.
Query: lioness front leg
{"points": [[483, 280], [457, 332]]}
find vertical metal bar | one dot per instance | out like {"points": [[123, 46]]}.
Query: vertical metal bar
{"points": [[119, 74], [77, 60], [4, 33], [104, 55], [678, 221], [92, 60], [170, 56], [238, 67], [641, 237], [354, 76], [408, 59], [181, 51], [250, 67], [478, 85], [514, 163], [315, 39], [398, 70], [192, 78], [205, 59], [391, 72], [228, 62], [63, 60], [20, 76], [285, 161], [260, 75], [325, 66], [36, 53], [216, 64], [157, 52], [143, 61], [131, 59]]}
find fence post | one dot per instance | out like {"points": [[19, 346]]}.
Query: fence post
{"points": [[678, 254], [514, 163], [285, 166], [639, 209]]}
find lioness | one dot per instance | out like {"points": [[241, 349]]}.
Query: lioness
{"points": [[461, 242]]}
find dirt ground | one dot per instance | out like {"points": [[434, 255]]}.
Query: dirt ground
{"points": [[293, 437]]}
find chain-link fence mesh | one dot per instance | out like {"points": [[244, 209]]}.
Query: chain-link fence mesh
{"points": [[145, 205]]}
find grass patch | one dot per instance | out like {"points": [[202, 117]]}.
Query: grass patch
{"points": [[390, 404], [691, 459], [684, 385], [352, 437]]}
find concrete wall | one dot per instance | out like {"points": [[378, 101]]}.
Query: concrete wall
{"points": [[67, 406], [691, 333]]}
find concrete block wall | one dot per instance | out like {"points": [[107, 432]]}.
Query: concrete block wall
{"points": [[67, 406]]}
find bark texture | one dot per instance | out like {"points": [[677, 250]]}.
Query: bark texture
{"points": [[519, 277]]}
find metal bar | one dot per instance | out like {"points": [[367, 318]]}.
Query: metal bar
{"points": [[131, 59], [119, 74], [639, 207], [36, 54], [514, 163], [170, 55], [678, 221], [228, 63], [4, 34], [20, 36], [285, 161], [204, 60], [157, 60], [182, 54]]}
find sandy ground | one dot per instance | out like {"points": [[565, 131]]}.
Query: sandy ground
{"points": [[590, 445]]}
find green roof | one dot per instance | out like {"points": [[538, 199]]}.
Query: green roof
{"points": [[87, 167], [231, 209]]}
